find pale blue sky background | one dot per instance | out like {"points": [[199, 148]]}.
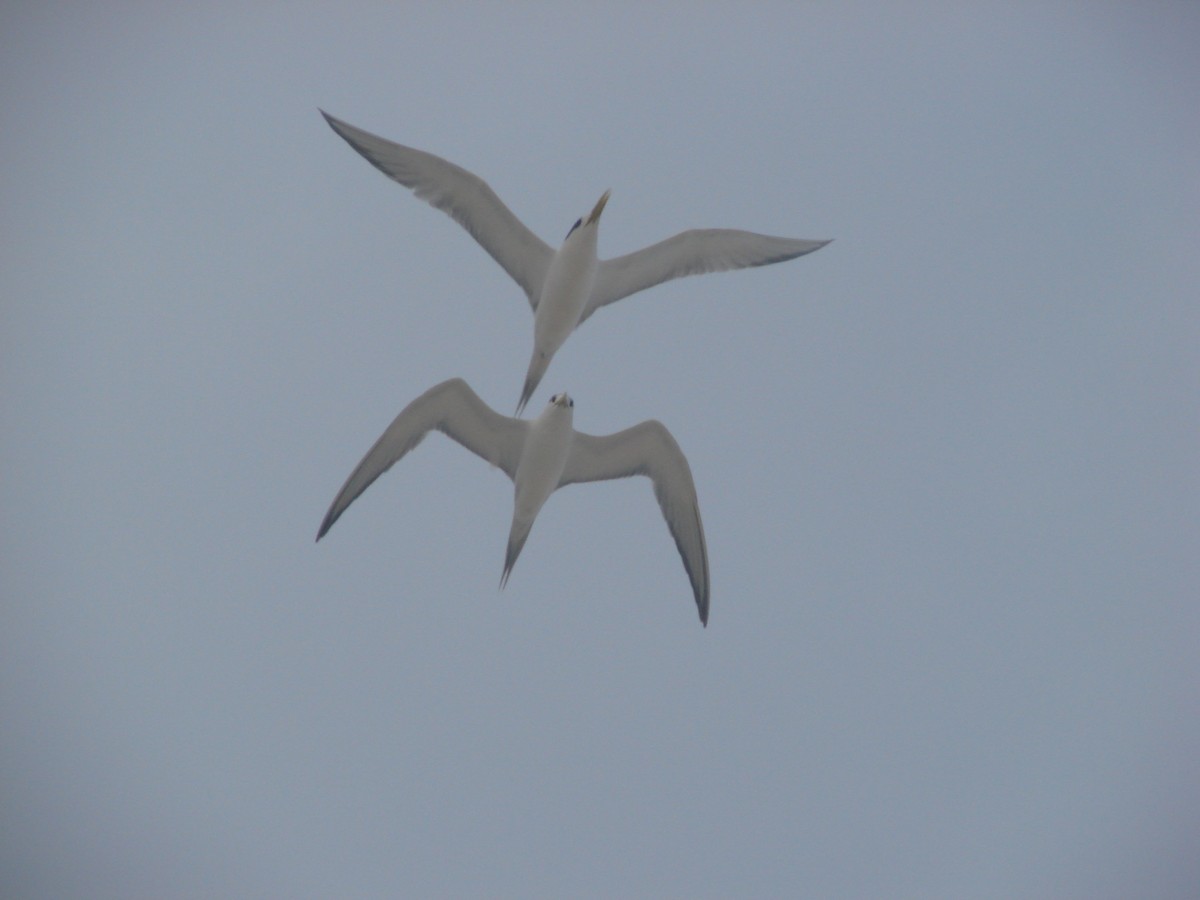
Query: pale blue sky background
{"points": [[947, 464]]}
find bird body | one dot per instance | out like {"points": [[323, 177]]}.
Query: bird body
{"points": [[564, 295], [540, 456], [566, 286], [547, 446]]}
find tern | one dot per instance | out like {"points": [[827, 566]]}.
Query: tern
{"points": [[567, 285], [540, 456]]}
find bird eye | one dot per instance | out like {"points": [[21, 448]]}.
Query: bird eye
{"points": [[571, 403], [578, 222]]}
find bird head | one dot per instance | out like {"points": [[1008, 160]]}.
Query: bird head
{"points": [[593, 217], [562, 401]]}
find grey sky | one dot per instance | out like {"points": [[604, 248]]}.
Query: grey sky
{"points": [[947, 465]]}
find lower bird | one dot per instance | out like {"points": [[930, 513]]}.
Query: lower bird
{"points": [[540, 456], [567, 285]]}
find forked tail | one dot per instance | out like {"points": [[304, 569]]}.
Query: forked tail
{"points": [[533, 376], [516, 540]]}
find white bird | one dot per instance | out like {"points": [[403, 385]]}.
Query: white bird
{"points": [[565, 286], [540, 456]]}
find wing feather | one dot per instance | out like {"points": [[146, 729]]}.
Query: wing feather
{"points": [[465, 197], [451, 408], [649, 449], [690, 253]]}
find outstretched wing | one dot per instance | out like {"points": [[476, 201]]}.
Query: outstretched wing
{"points": [[463, 196], [649, 449], [690, 253], [451, 408]]}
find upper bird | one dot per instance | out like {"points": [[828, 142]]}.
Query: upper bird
{"points": [[568, 285], [540, 456]]}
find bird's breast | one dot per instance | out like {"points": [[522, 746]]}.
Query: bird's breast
{"points": [[569, 282], [542, 462]]}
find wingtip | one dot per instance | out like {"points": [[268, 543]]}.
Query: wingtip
{"points": [[327, 523], [333, 122]]}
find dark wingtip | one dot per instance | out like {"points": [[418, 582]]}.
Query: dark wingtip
{"points": [[333, 122], [330, 518]]}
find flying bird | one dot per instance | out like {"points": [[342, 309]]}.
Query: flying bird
{"points": [[540, 456], [567, 285]]}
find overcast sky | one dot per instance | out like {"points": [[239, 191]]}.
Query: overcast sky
{"points": [[947, 464]]}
